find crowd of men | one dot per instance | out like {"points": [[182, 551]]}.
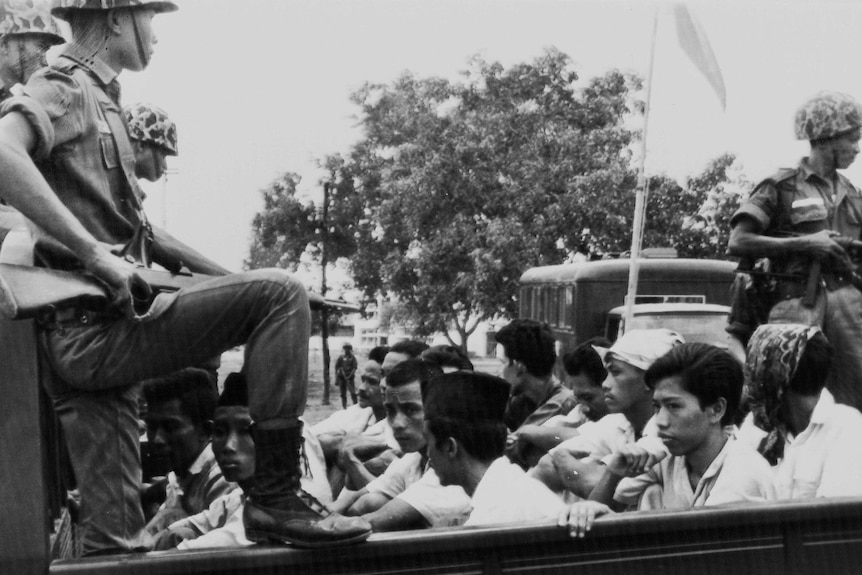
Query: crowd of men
{"points": [[645, 422]]}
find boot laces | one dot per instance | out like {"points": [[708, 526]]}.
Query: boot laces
{"points": [[313, 503]]}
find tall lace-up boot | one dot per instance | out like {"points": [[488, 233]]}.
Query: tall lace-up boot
{"points": [[278, 510]]}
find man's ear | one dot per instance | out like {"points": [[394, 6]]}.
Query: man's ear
{"points": [[452, 448], [717, 410], [113, 20]]}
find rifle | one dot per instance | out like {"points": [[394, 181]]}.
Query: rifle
{"points": [[27, 290]]}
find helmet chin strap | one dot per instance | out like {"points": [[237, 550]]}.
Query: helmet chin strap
{"points": [[143, 54]]}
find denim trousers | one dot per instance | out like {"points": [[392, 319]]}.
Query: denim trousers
{"points": [[100, 366]]}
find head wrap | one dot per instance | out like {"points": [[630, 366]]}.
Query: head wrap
{"points": [[774, 351], [641, 347]]}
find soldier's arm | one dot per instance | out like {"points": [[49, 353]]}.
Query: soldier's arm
{"points": [[747, 239], [27, 191]]}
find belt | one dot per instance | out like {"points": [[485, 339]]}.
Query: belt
{"points": [[51, 317]]}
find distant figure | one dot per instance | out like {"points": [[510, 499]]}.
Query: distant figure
{"points": [[465, 434], [812, 442], [345, 372]]}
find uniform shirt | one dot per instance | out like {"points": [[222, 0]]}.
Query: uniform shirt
{"points": [[506, 494], [75, 149], [825, 460], [345, 366], [417, 484], [218, 526], [737, 474], [597, 440], [806, 207]]}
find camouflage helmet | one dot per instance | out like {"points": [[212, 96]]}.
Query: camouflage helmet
{"points": [[62, 8], [151, 125], [29, 18], [826, 115]]}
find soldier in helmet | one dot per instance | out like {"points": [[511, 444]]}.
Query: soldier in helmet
{"points": [[67, 164], [804, 218], [154, 137], [27, 31]]}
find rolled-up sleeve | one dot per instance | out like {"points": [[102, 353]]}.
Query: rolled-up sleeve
{"points": [[761, 206]]}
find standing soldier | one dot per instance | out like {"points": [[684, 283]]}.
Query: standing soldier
{"points": [[802, 219], [66, 163], [345, 371]]}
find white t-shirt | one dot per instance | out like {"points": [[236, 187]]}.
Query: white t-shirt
{"points": [[737, 474], [506, 494], [219, 526], [825, 460], [418, 485]]}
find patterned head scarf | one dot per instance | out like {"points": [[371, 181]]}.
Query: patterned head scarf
{"points": [[774, 352]]}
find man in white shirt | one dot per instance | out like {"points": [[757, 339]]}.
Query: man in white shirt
{"points": [[697, 391], [466, 438], [408, 494], [812, 441], [578, 463]]}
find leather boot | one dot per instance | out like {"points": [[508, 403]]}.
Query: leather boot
{"points": [[278, 510]]}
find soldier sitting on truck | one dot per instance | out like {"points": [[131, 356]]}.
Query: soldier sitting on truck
{"points": [[528, 359], [577, 464], [803, 219], [697, 392], [584, 374], [408, 495], [465, 434], [812, 442]]}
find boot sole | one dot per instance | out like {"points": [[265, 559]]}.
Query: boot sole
{"points": [[270, 537]]}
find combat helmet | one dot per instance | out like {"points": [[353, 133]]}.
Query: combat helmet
{"points": [[152, 125], [29, 18], [826, 115], [62, 8]]}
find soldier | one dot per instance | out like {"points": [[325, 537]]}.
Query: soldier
{"points": [[345, 374], [802, 219], [66, 163], [27, 31]]}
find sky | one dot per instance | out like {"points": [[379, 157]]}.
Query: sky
{"points": [[261, 87]]}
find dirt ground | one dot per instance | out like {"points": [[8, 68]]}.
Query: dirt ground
{"points": [[315, 411]]}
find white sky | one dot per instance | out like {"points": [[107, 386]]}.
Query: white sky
{"points": [[259, 87]]}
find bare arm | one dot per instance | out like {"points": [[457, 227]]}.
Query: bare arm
{"points": [[396, 515], [27, 191], [543, 437], [578, 476], [367, 503], [746, 240]]}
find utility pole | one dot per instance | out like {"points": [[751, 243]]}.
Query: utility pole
{"points": [[324, 315]]}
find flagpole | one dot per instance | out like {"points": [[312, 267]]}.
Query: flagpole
{"points": [[642, 189]]}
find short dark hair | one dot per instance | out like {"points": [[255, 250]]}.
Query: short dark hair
{"points": [[447, 356], [813, 367], [531, 343], [706, 371], [410, 371], [586, 360], [378, 353], [485, 440], [411, 347], [192, 386]]}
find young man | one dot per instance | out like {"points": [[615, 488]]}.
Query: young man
{"points": [[408, 495], [345, 374], [179, 412], [465, 434], [584, 375], [812, 442], [85, 202], [577, 464], [528, 359], [804, 217], [697, 391]]}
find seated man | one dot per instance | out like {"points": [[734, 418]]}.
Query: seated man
{"points": [[408, 495], [697, 391], [584, 375], [465, 435], [812, 442], [577, 464], [528, 358], [179, 412]]}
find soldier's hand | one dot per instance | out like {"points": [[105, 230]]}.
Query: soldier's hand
{"points": [[823, 245], [119, 276]]}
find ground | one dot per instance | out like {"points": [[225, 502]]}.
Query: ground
{"points": [[315, 411]]}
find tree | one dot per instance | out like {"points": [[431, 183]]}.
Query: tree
{"points": [[463, 185]]}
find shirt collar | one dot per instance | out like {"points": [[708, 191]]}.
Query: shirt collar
{"points": [[87, 60], [822, 409], [203, 459]]}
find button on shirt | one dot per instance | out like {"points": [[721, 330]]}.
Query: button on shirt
{"points": [[825, 460], [506, 494], [417, 485], [738, 473]]}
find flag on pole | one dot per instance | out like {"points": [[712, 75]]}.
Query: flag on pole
{"points": [[693, 41]]}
